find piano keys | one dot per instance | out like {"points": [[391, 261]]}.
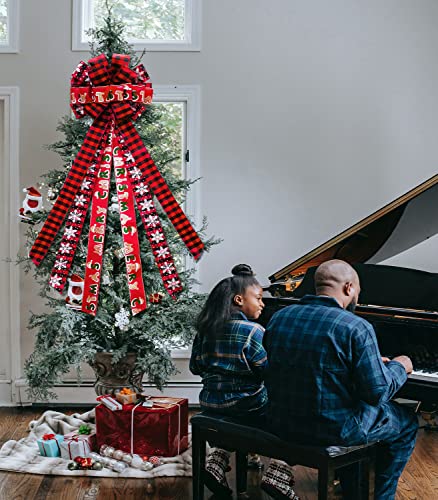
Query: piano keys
{"points": [[401, 303]]}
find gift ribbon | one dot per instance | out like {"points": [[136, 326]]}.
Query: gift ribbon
{"points": [[75, 439], [132, 426], [114, 96], [170, 405]]}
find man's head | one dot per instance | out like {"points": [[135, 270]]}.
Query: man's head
{"points": [[337, 279]]}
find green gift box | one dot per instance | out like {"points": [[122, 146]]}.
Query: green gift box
{"points": [[49, 445]]}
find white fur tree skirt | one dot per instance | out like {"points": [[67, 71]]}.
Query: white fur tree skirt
{"points": [[23, 455]]}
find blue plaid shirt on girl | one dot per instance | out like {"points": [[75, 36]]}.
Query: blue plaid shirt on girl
{"points": [[326, 380], [231, 365]]}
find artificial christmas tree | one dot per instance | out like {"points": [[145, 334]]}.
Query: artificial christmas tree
{"points": [[117, 325]]}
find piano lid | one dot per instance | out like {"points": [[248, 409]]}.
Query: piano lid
{"points": [[405, 222]]}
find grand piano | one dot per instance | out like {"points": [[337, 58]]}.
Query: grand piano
{"points": [[401, 303]]}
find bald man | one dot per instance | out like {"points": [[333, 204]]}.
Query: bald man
{"points": [[327, 383]]}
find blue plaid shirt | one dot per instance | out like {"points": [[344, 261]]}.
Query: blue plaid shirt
{"points": [[231, 365], [325, 377]]}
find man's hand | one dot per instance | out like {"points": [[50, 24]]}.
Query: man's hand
{"points": [[385, 359], [406, 362]]}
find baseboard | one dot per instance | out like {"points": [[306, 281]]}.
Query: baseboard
{"points": [[6, 393], [83, 394]]}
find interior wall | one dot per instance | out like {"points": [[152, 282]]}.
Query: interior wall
{"points": [[313, 115]]}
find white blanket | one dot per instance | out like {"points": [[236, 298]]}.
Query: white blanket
{"points": [[23, 455]]}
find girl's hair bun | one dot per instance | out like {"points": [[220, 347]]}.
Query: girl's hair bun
{"points": [[242, 270]]}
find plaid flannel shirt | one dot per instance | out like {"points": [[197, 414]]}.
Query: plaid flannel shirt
{"points": [[325, 378], [231, 365]]}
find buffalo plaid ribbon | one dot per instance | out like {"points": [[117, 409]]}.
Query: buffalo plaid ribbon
{"points": [[113, 95]]}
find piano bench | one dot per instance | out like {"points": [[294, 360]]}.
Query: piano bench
{"points": [[223, 432]]}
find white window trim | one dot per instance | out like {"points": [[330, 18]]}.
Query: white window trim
{"points": [[10, 197], [13, 24], [192, 42], [191, 95]]}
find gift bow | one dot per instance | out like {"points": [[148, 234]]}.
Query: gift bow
{"points": [[113, 95], [84, 429], [48, 437]]}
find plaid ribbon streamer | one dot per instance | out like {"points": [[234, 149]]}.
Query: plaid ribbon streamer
{"points": [[114, 96]]}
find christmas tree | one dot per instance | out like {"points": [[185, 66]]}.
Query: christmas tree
{"points": [[66, 337]]}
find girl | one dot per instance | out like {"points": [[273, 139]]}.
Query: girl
{"points": [[229, 356]]}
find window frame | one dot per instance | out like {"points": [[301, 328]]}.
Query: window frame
{"points": [[192, 42], [13, 25], [190, 95]]}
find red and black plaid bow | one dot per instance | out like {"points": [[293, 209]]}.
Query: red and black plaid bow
{"points": [[113, 95]]}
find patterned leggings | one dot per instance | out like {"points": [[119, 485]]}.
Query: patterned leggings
{"points": [[397, 431]]}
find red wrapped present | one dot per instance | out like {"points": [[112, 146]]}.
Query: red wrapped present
{"points": [[158, 430]]}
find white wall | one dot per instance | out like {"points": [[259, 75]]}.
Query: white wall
{"points": [[314, 114]]}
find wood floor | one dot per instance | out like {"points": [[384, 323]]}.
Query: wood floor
{"points": [[419, 480]]}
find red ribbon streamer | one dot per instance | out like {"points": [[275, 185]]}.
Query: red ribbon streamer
{"points": [[114, 95]]}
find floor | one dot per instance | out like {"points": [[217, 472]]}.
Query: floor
{"points": [[419, 480]]}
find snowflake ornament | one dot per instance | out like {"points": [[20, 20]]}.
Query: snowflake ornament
{"points": [[122, 319]]}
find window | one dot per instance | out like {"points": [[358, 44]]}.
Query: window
{"points": [[179, 106], [9, 25], [180, 113], [168, 25]]}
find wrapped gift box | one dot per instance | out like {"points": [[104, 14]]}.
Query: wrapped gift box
{"points": [[77, 445], [126, 397], [158, 430], [49, 445]]}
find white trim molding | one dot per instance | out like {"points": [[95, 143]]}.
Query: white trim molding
{"points": [[13, 28], [10, 198], [82, 21], [83, 394]]}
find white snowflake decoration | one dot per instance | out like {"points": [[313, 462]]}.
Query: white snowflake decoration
{"points": [[163, 252], [75, 216], [147, 205], [61, 264], [86, 185], [156, 237], [70, 232], [152, 220], [55, 280], [136, 173], [142, 189], [173, 283], [80, 200], [129, 157], [65, 248], [167, 268], [122, 319]]}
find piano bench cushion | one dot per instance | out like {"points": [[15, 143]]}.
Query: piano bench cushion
{"points": [[223, 431]]}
